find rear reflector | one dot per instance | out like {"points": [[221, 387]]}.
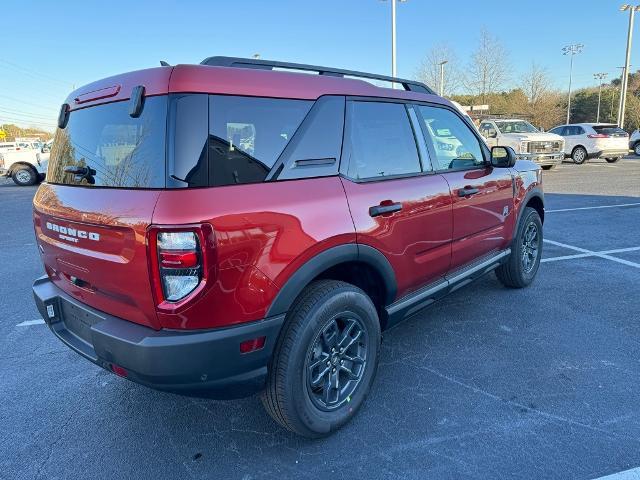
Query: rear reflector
{"points": [[118, 370], [178, 259], [252, 345]]}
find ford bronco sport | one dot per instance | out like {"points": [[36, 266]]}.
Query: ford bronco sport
{"points": [[232, 227]]}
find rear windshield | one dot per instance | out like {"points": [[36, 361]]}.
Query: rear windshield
{"points": [[117, 150], [610, 130]]}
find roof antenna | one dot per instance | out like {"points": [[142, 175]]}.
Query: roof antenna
{"points": [[164, 64]]}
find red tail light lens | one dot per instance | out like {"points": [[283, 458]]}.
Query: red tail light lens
{"points": [[598, 135], [181, 259]]}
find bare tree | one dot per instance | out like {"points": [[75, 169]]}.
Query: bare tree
{"points": [[488, 69], [544, 104], [429, 70]]}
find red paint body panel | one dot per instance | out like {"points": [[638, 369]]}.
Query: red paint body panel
{"points": [[264, 233], [417, 239], [479, 223], [113, 270]]}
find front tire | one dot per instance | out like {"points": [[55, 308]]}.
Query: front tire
{"points": [[579, 155], [526, 251], [612, 160], [24, 176], [325, 359], [636, 148]]}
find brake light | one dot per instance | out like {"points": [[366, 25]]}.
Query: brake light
{"points": [[179, 262], [598, 135]]}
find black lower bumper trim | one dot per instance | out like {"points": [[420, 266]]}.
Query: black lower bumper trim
{"points": [[202, 363]]}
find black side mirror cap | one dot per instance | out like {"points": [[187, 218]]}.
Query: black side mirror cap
{"points": [[503, 157]]}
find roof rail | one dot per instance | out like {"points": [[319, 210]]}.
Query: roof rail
{"points": [[411, 85]]}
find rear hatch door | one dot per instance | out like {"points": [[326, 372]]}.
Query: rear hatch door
{"points": [[105, 172]]}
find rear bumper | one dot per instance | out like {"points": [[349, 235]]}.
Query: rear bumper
{"points": [[542, 159], [620, 152], [202, 363]]}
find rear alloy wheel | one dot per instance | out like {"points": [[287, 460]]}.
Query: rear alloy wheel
{"points": [[526, 252], [24, 176], [612, 160], [636, 148], [325, 359], [579, 155]]}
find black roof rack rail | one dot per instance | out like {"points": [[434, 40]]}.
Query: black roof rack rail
{"points": [[411, 85]]}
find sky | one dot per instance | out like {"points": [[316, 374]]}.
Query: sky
{"points": [[48, 48]]}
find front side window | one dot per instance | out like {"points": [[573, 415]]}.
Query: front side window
{"points": [[248, 134], [453, 142], [557, 130], [380, 141], [487, 130]]}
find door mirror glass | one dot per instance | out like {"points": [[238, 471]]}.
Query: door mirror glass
{"points": [[503, 157]]}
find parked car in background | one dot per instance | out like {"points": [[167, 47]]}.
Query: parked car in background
{"points": [[583, 141], [25, 166], [545, 149], [634, 142]]}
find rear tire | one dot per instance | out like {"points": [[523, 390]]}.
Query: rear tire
{"points": [[579, 155], [331, 336], [526, 250], [612, 160], [24, 176]]}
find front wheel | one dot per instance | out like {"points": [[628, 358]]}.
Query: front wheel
{"points": [[325, 359], [579, 155], [636, 148], [526, 251], [612, 160], [24, 176]]}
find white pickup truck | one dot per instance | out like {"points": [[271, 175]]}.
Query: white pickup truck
{"points": [[25, 166], [545, 149]]}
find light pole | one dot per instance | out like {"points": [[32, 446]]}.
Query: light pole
{"points": [[394, 72], [442, 63], [625, 76], [600, 77], [572, 50]]}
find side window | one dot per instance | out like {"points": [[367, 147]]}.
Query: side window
{"points": [[454, 144], [248, 134], [579, 131], [380, 141], [557, 130], [487, 130]]}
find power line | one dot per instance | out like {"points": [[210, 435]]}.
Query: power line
{"points": [[23, 114], [39, 105], [35, 73]]}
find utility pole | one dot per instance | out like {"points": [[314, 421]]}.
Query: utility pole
{"points": [[572, 50], [625, 77], [600, 77], [442, 63]]}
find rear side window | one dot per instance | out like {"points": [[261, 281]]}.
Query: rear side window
{"points": [[380, 141], [106, 147], [248, 134], [573, 130]]}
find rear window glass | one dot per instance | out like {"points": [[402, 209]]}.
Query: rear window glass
{"points": [[609, 130], [247, 135], [109, 148]]}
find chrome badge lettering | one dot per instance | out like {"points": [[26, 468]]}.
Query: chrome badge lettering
{"points": [[72, 234]]}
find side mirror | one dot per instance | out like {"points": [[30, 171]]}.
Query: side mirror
{"points": [[503, 157]]}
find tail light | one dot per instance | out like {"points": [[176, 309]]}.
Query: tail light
{"points": [[598, 135], [181, 262]]}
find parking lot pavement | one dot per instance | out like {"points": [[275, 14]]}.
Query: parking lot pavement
{"points": [[489, 383]]}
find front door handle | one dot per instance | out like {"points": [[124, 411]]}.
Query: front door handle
{"points": [[386, 208], [463, 192]]}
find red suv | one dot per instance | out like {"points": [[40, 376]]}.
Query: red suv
{"points": [[233, 227]]}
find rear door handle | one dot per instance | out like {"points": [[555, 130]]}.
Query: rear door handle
{"points": [[382, 209], [463, 192]]}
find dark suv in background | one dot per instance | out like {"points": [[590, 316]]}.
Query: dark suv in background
{"points": [[226, 228]]}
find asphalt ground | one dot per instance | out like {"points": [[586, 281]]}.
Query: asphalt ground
{"points": [[488, 383]]}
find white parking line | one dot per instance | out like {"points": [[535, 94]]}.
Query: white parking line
{"points": [[28, 323], [590, 253], [592, 208], [631, 474]]}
